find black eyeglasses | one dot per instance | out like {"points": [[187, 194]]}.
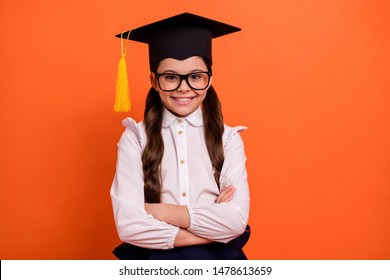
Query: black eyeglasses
{"points": [[171, 81]]}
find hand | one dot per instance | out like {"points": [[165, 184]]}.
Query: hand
{"points": [[226, 194]]}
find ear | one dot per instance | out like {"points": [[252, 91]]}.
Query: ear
{"points": [[153, 81], [211, 82]]}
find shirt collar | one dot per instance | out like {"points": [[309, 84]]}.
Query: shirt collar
{"points": [[195, 118]]}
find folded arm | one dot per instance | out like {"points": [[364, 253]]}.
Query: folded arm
{"points": [[134, 225], [222, 222], [178, 215]]}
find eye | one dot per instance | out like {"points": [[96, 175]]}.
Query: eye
{"points": [[195, 76], [169, 77]]}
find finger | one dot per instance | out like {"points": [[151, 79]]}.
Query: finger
{"points": [[228, 197], [225, 198], [226, 194], [221, 195]]}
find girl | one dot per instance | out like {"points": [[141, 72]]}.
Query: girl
{"points": [[180, 190]]}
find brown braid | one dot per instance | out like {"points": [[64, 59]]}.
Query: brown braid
{"points": [[214, 128], [154, 149]]}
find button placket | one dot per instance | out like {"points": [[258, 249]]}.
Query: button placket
{"points": [[182, 161]]}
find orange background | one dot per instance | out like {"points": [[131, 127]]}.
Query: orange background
{"points": [[309, 78]]}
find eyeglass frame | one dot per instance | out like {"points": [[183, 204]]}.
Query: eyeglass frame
{"points": [[183, 77]]}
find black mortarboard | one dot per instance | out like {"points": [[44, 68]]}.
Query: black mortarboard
{"points": [[179, 37]]}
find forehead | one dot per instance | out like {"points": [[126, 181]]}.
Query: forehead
{"points": [[182, 66]]}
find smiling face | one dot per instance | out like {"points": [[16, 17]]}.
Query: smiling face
{"points": [[184, 100]]}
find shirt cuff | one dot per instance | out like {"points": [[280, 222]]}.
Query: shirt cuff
{"points": [[171, 240], [191, 215]]}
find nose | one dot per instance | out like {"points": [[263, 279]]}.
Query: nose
{"points": [[183, 86]]}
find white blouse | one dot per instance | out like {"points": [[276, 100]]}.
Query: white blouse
{"points": [[187, 179]]}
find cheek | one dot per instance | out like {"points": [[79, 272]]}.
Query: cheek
{"points": [[203, 95], [163, 96]]}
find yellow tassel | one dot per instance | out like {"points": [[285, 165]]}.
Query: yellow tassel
{"points": [[122, 99]]}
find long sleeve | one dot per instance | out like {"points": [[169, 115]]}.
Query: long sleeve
{"points": [[225, 221], [133, 224]]}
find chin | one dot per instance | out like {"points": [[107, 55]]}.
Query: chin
{"points": [[183, 113]]}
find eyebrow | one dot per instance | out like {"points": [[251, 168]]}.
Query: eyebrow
{"points": [[168, 71]]}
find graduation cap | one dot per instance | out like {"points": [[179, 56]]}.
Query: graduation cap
{"points": [[179, 37]]}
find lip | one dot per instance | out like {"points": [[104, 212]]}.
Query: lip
{"points": [[183, 100]]}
